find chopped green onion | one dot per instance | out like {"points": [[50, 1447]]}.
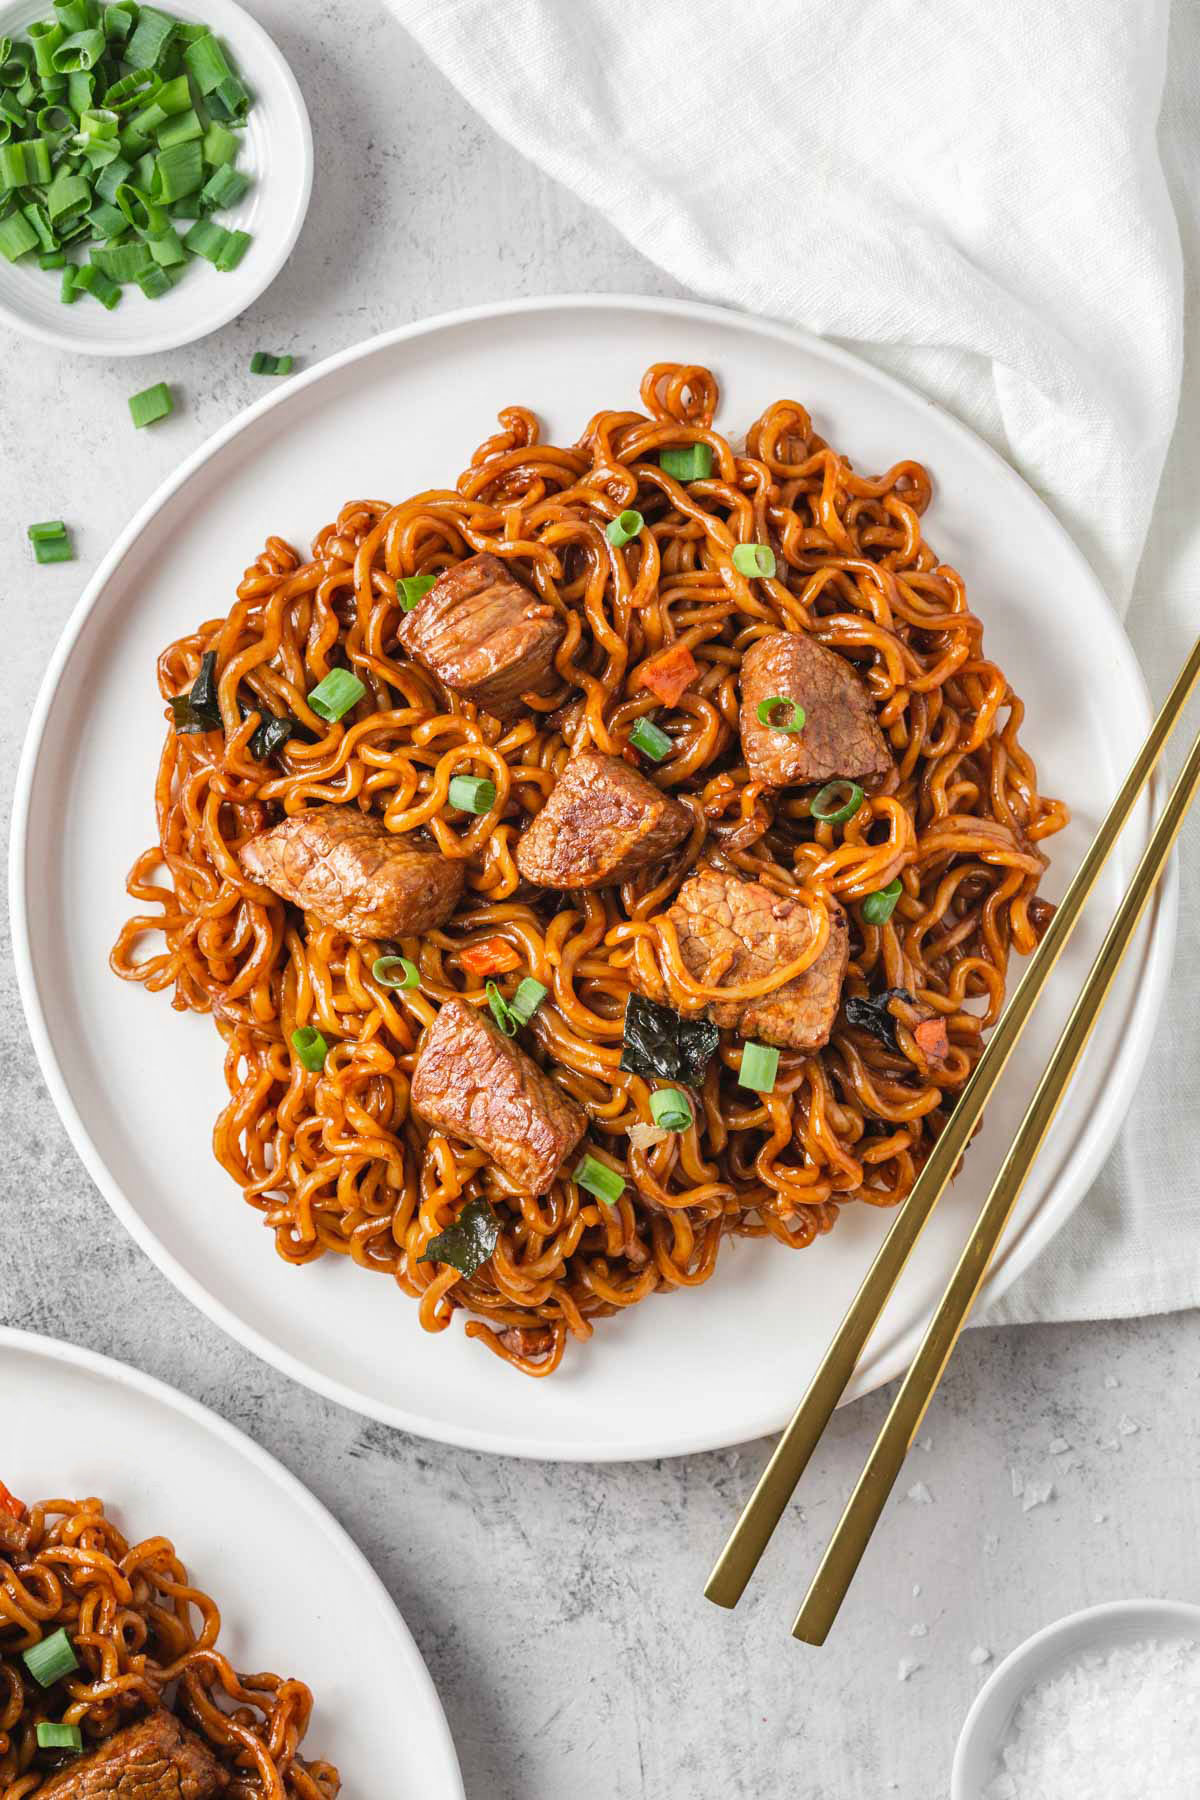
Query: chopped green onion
{"points": [[500, 1009], [81, 51], [184, 128], [230, 255], [68, 197], [760, 1063], [175, 96], [792, 720], [178, 171], [220, 145], [651, 740], [472, 793], [92, 279], [41, 226], [58, 1737], [111, 177], [12, 166], [671, 1109], [334, 696], [599, 1179], [396, 972], [206, 239], [694, 462], [50, 542], [66, 293], [133, 91], [409, 588], [45, 35], [139, 210], [17, 237], [206, 63], [230, 101], [625, 527], [154, 282], [836, 802], [878, 907], [53, 119], [151, 404], [118, 22], [123, 262], [51, 1659], [106, 221], [224, 187], [263, 363], [526, 1000], [754, 559], [310, 1047], [166, 248], [146, 121], [151, 39]]}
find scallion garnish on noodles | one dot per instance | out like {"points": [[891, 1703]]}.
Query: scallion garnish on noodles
{"points": [[651, 740], [836, 802], [599, 1179], [340, 690], [52, 1736], [754, 559], [396, 972], [51, 1659], [472, 793], [878, 907], [780, 713], [310, 1047], [101, 96], [671, 1109]]}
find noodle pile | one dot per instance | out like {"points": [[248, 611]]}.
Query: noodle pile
{"points": [[337, 1161], [144, 1636]]}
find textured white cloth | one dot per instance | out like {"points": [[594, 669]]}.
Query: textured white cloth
{"points": [[972, 196]]}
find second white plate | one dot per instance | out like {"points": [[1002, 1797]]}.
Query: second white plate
{"points": [[295, 1594], [139, 1085]]}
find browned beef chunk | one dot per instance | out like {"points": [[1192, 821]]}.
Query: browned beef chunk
{"points": [[485, 634], [716, 914], [155, 1760], [473, 1082], [602, 822], [840, 735], [347, 869]]}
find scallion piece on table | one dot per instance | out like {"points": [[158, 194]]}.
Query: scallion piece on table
{"points": [[780, 713], [624, 528], [754, 559], [333, 697], [836, 802], [152, 404], [878, 907], [651, 740], [396, 972], [310, 1047], [50, 541], [689, 462], [409, 588], [51, 1659], [599, 1179], [47, 528], [671, 1109], [472, 793], [51, 1736], [760, 1064]]}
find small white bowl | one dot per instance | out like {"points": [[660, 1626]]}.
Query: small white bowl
{"points": [[1097, 1628], [276, 150]]}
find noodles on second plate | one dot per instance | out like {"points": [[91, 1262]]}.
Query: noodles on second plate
{"points": [[142, 1656], [337, 1159]]}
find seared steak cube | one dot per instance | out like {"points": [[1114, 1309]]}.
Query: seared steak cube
{"points": [[716, 914], [157, 1759], [602, 822], [485, 634], [475, 1084], [348, 870], [840, 735]]}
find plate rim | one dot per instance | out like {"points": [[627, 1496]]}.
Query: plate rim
{"points": [[125, 1375], [240, 297], [1095, 1139]]}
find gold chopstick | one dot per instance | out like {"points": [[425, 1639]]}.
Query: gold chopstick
{"points": [[791, 1456], [853, 1533]]}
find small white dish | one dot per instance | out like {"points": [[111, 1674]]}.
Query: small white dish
{"points": [[277, 152], [1096, 1628]]}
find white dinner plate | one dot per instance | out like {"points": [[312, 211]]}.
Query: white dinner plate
{"points": [[276, 151], [138, 1085], [295, 1594]]}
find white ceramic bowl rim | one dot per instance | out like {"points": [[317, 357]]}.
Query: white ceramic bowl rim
{"points": [[1111, 1622]]}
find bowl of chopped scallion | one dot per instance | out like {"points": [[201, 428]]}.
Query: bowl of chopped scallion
{"points": [[155, 170]]}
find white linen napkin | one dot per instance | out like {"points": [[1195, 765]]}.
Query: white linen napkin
{"points": [[971, 196]]}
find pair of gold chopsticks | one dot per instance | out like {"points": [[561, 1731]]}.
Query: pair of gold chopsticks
{"points": [[765, 1507]]}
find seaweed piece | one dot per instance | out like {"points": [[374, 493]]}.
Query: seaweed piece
{"points": [[197, 710], [661, 1042], [873, 1014], [467, 1244]]}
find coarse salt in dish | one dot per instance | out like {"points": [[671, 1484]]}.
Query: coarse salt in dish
{"points": [[1122, 1724]]}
